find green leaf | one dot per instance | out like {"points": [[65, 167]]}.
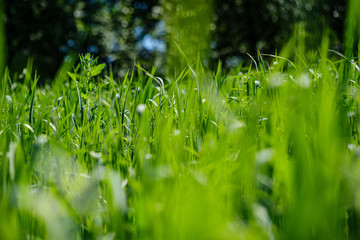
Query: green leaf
{"points": [[72, 75], [97, 69]]}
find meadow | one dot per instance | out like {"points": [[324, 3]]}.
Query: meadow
{"points": [[268, 150]]}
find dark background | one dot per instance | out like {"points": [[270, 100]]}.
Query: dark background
{"points": [[124, 32]]}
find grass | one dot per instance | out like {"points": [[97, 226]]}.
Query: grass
{"points": [[267, 151]]}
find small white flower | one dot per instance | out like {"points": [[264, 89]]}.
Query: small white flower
{"points": [[141, 108]]}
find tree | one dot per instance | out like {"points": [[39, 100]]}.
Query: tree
{"points": [[48, 30], [246, 26], [124, 32], [38, 29]]}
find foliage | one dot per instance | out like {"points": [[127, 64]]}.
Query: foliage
{"points": [[124, 32], [188, 31], [48, 30], [245, 26]]}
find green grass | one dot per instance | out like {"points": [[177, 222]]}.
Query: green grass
{"points": [[267, 151]]}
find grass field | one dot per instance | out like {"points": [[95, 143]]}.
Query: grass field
{"points": [[265, 151]]}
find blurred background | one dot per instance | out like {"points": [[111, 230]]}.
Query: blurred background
{"points": [[164, 33]]}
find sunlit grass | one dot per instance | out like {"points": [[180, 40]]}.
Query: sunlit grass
{"points": [[267, 151]]}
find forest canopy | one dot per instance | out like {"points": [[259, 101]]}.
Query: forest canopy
{"points": [[134, 31]]}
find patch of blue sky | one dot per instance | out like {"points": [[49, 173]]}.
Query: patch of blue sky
{"points": [[93, 49], [152, 44], [140, 5], [138, 32], [70, 43]]}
